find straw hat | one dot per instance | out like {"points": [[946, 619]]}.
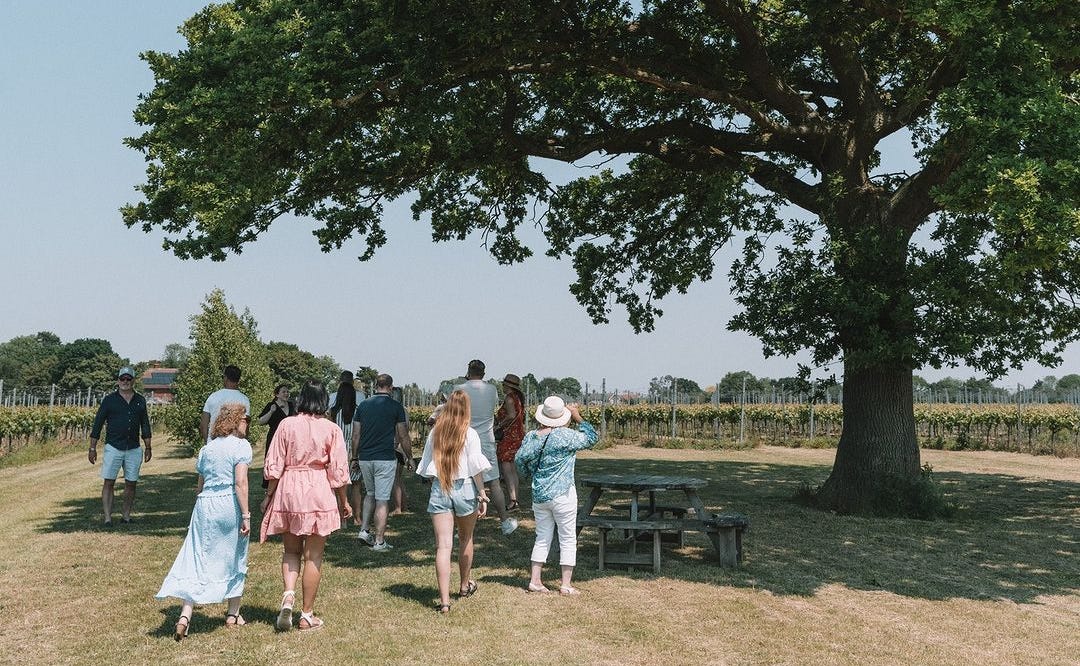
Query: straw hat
{"points": [[512, 381], [553, 413]]}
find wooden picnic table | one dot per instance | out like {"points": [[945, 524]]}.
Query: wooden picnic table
{"points": [[724, 532]]}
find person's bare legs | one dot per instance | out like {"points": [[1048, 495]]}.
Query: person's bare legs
{"points": [[356, 495], [290, 560], [498, 502], [234, 607], [293, 547], [129, 500], [397, 495], [443, 524], [535, 569], [509, 474], [465, 525], [183, 623], [369, 510], [382, 509], [313, 557], [567, 574], [107, 498]]}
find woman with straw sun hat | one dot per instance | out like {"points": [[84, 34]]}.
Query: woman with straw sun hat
{"points": [[547, 454]]}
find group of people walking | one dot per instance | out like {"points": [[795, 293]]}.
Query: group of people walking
{"points": [[308, 466]]}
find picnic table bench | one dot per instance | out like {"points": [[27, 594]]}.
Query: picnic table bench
{"points": [[659, 522], [655, 527]]}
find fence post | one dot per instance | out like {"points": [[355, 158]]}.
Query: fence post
{"points": [[603, 408], [742, 413], [673, 394]]}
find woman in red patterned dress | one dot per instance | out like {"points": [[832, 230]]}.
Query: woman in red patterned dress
{"points": [[511, 419]]}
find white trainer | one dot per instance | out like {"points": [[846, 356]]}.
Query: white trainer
{"points": [[366, 537], [509, 525]]}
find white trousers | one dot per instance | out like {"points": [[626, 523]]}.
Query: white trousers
{"points": [[560, 513]]}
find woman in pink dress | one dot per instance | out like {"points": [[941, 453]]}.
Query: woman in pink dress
{"points": [[307, 471]]}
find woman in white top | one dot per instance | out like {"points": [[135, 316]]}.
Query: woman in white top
{"points": [[453, 460]]}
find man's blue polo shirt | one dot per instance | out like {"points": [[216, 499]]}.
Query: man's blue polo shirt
{"points": [[378, 417]]}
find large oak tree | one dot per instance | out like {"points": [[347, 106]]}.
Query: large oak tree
{"points": [[728, 112]]}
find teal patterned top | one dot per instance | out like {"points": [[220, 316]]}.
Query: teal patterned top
{"points": [[552, 470]]}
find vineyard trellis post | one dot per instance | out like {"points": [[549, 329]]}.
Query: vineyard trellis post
{"points": [[1019, 415], [603, 408], [674, 397], [742, 414]]}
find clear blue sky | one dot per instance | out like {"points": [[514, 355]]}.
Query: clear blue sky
{"points": [[69, 78]]}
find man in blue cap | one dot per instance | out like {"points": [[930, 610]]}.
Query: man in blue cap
{"points": [[125, 417]]}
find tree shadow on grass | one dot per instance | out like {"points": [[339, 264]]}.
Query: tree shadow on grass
{"points": [[163, 504], [422, 596], [1011, 538]]}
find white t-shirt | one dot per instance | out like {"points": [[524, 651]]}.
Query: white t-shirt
{"points": [[484, 400], [222, 397], [471, 463]]}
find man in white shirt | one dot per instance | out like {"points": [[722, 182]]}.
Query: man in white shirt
{"points": [[231, 379], [484, 399]]}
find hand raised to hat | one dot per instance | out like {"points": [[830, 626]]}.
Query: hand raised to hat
{"points": [[575, 412]]}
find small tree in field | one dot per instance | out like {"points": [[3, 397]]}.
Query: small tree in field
{"points": [[219, 337]]}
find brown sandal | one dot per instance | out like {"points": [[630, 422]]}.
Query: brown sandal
{"points": [[234, 620], [181, 628]]}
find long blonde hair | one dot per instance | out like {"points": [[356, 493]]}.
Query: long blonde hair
{"points": [[448, 437]]}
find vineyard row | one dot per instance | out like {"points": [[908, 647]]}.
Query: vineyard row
{"points": [[964, 426]]}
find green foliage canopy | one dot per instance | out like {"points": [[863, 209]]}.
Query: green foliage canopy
{"points": [[293, 366], [219, 337], [727, 110]]}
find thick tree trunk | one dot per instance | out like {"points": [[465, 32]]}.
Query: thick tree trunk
{"points": [[878, 445]]}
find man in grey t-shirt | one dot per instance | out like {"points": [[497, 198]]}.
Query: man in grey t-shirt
{"points": [[484, 398]]}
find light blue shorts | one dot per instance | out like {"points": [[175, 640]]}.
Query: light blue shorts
{"points": [[113, 459], [461, 499]]}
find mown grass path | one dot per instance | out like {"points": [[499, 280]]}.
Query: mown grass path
{"points": [[998, 584]]}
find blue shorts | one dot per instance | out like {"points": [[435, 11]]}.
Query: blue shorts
{"points": [[114, 459], [461, 498]]}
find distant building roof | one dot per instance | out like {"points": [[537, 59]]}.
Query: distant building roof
{"points": [[159, 378]]}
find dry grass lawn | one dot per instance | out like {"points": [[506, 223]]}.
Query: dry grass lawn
{"points": [[999, 584]]}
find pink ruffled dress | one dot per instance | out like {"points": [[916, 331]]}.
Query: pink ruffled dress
{"points": [[307, 456]]}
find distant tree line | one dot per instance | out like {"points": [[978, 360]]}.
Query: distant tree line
{"points": [[41, 360]]}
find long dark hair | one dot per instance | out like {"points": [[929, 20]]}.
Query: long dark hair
{"points": [[313, 398], [345, 402]]}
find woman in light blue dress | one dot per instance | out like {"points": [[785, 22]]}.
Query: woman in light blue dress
{"points": [[212, 564]]}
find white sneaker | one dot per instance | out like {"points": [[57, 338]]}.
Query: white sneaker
{"points": [[381, 546], [366, 537], [509, 525]]}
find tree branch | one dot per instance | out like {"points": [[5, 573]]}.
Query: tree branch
{"points": [[754, 59], [920, 95], [912, 202]]}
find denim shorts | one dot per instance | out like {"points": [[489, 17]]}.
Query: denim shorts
{"points": [[461, 499]]}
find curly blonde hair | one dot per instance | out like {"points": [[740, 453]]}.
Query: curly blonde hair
{"points": [[228, 419]]}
